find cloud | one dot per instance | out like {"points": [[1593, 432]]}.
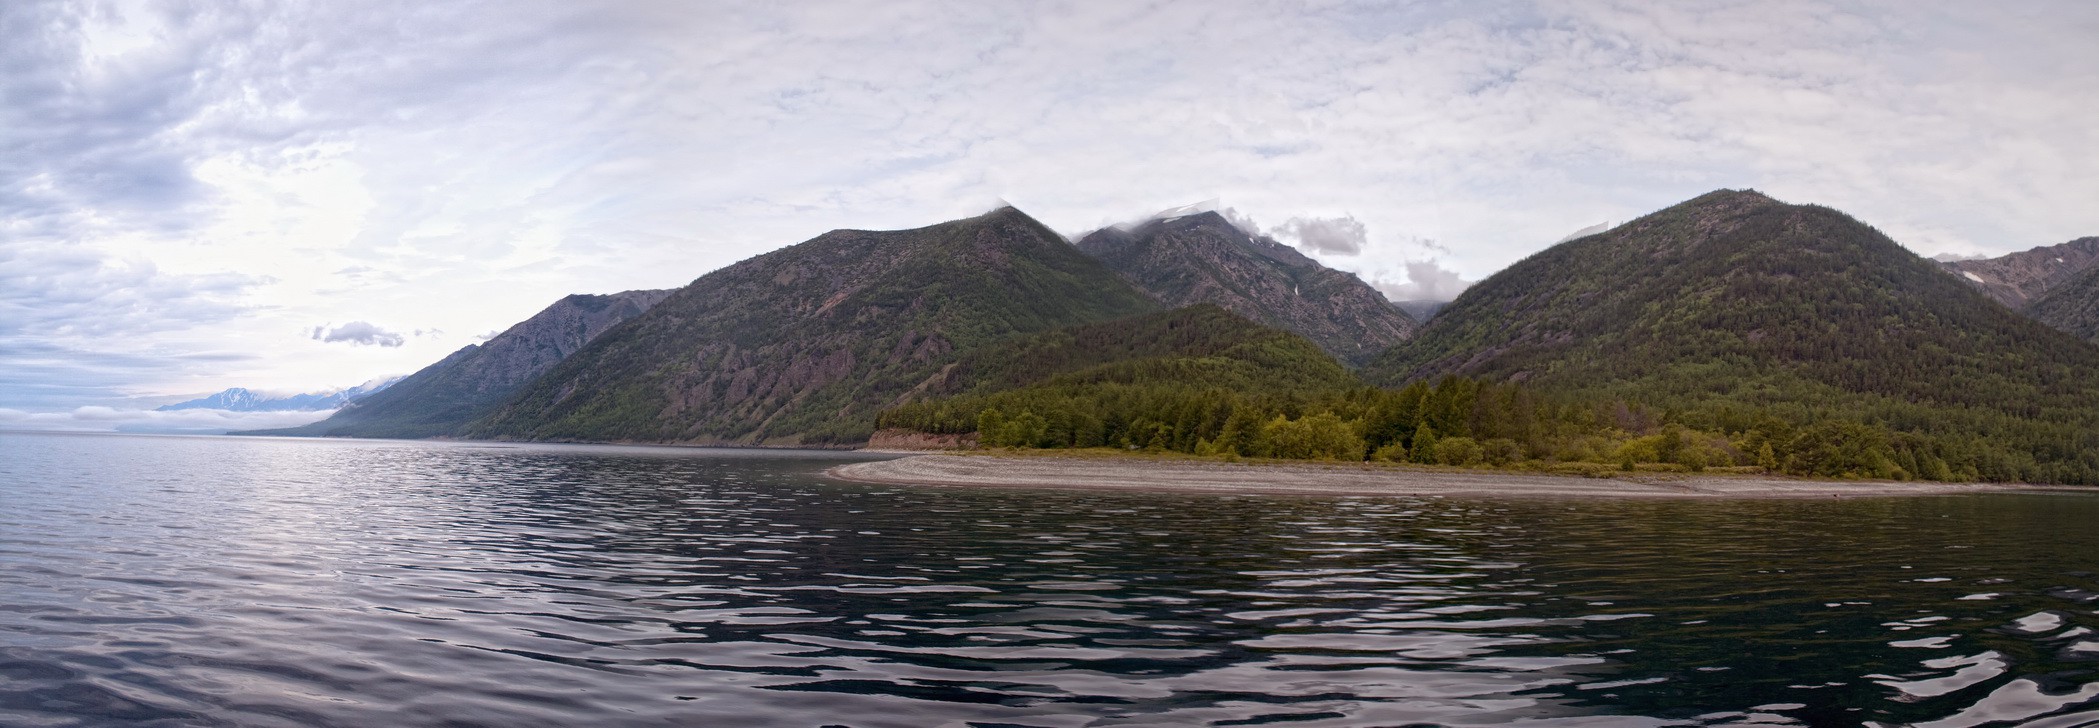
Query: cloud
{"points": [[210, 174], [198, 421], [1426, 280], [1241, 220], [1329, 235], [359, 333], [59, 290]]}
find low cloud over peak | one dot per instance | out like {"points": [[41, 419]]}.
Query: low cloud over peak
{"points": [[358, 333], [1427, 280], [1329, 235]]}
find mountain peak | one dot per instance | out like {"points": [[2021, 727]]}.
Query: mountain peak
{"points": [[1732, 197], [1201, 257]]}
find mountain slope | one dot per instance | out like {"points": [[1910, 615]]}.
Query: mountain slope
{"points": [[1200, 343], [2071, 306], [462, 387], [1203, 258], [1733, 301], [804, 345], [2019, 279], [1174, 376]]}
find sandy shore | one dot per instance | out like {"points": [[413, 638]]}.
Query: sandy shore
{"points": [[1351, 479]]}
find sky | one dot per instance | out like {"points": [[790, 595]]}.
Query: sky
{"points": [[306, 196]]}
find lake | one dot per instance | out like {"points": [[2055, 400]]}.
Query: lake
{"points": [[273, 582]]}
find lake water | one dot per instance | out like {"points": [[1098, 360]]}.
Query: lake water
{"points": [[266, 582]]}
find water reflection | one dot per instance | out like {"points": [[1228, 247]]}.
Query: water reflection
{"points": [[262, 582]]}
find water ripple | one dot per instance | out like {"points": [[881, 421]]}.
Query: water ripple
{"points": [[214, 581]]}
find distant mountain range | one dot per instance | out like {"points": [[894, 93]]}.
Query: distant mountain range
{"points": [[1784, 337], [239, 399]]}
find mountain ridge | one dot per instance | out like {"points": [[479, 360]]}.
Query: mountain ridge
{"points": [[242, 399], [438, 399], [1735, 301], [2019, 279], [1204, 258], [803, 345]]}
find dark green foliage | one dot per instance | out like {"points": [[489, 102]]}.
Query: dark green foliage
{"points": [[1733, 307], [2071, 307], [805, 344], [1200, 343]]}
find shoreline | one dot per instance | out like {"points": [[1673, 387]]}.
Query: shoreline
{"points": [[1351, 479]]}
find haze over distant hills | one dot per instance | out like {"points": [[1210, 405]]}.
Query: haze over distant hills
{"points": [[239, 399]]}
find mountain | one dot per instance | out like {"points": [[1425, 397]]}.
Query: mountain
{"points": [[2018, 279], [1174, 376], [1421, 310], [1733, 302], [239, 399], [1197, 344], [804, 345], [463, 386], [2071, 306], [1202, 258]]}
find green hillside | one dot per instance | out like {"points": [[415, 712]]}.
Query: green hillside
{"points": [[1734, 312], [442, 398], [805, 344], [2071, 306], [1175, 376]]}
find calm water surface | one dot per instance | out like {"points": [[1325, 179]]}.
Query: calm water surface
{"points": [[222, 581]]}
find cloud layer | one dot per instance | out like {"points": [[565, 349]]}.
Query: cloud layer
{"points": [[194, 421], [184, 190], [362, 333], [1327, 235]]}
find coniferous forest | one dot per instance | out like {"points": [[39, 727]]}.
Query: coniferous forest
{"points": [[1731, 332]]}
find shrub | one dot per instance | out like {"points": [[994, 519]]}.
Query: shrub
{"points": [[1460, 451]]}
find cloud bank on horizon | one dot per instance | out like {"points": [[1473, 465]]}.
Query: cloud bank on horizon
{"points": [[186, 189]]}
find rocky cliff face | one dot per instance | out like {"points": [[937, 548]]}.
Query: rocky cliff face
{"points": [[532, 346], [464, 385], [1202, 258], [803, 345], [2019, 279]]}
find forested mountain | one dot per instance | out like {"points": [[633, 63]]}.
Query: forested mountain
{"points": [[462, 387], [804, 345], [1201, 344], [1733, 306], [1174, 376], [1203, 258], [2019, 279], [2071, 306]]}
